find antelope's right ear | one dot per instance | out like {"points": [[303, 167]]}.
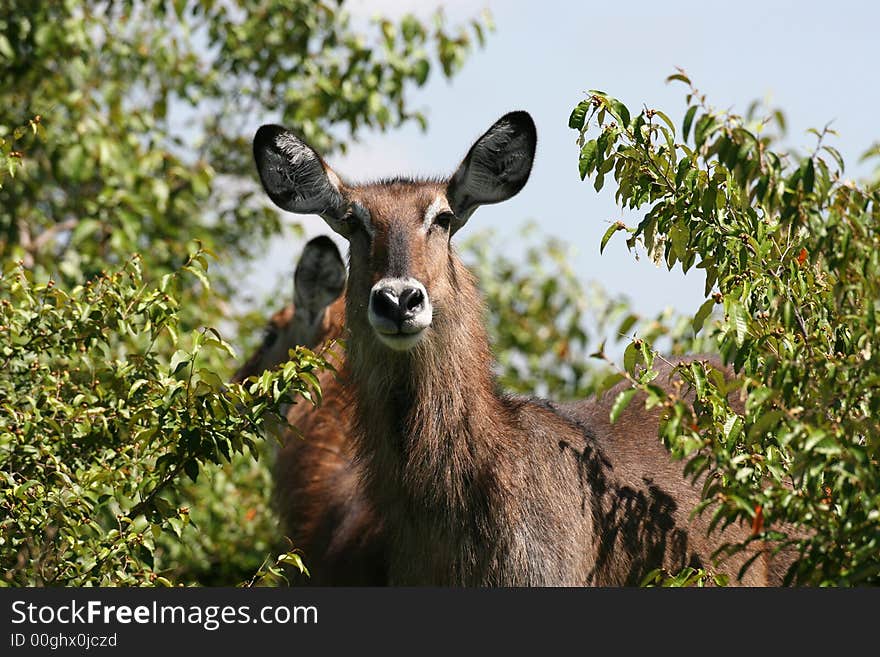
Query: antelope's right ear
{"points": [[296, 178], [319, 277]]}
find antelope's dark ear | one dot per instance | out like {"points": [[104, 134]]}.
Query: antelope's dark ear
{"points": [[319, 277], [296, 178], [496, 167]]}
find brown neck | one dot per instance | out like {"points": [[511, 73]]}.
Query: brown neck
{"points": [[425, 417]]}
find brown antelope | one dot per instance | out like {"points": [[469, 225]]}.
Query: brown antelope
{"points": [[318, 281], [316, 484], [475, 487]]}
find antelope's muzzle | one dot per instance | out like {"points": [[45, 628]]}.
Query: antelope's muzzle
{"points": [[399, 311]]}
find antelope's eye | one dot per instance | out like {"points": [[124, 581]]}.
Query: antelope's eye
{"points": [[357, 219], [444, 220]]}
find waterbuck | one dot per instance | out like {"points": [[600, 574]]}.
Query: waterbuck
{"points": [[316, 484], [475, 487], [314, 317]]}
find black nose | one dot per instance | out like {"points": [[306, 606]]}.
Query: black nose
{"points": [[411, 302], [388, 305], [385, 305]]}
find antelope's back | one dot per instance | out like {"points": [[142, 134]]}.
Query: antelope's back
{"points": [[645, 501]]}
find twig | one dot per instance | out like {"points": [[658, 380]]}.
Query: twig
{"points": [[50, 232]]}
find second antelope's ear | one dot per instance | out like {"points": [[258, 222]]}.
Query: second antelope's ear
{"points": [[296, 178], [496, 167], [319, 277]]}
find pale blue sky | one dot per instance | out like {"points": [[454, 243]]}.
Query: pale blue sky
{"points": [[815, 60]]}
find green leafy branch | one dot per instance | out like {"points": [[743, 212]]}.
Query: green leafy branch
{"points": [[789, 252]]}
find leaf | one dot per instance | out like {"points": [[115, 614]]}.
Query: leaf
{"points": [[607, 236], [211, 379], [5, 48], [838, 158], [84, 229], [680, 77], [179, 360], [191, 468], [621, 111], [704, 125], [740, 319], [809, 176], [20, 490], [200, 274], [710, 198], [732, 428], [665, 120], [176, 525], [620, 404], [163, 507], [638, 124], [388, 32], [653, 577], [680, 236], [579, 115], [627, 323], [293, 559], [588, 158], [478, 30], [816, 437], [135, 386], [699, 375], [311, 379], [647, 353], [702, 314], [630, 356], [764, 423], [421, 70], [220, 342], [780, 121]]}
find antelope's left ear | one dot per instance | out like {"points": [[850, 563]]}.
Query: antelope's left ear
{"points": [[496, 167]]}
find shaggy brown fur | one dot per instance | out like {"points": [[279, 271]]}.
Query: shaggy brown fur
{"points": [[475, 487], [316, 493], [479, 488], [317, 488]]}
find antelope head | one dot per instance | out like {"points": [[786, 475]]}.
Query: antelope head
{"points": [[402, 268]]}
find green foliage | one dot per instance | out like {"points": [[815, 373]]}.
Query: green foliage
{"points": [[98, 425], [11, 157], [789, 248], [698, 577], [536, 314], [232, 536]]}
